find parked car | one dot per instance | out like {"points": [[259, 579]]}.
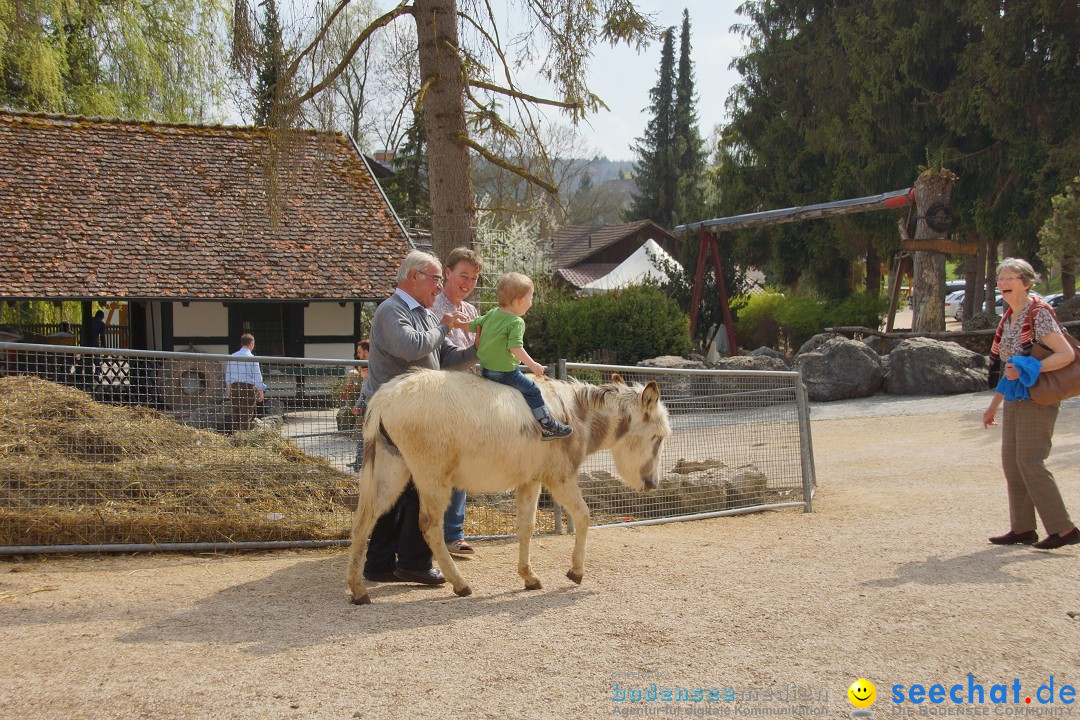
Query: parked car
{"points": [[954, 305], [1054, 299]]}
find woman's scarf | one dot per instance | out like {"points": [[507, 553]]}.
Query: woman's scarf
{"points": [[1027, 336]]}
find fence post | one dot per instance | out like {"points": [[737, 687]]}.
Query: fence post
{"points": [[560, 374], [806, 448]]}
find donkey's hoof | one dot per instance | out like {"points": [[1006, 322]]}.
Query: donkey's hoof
{"points": [[534, 585], [362, 600], [575, 576], [464, 592]]}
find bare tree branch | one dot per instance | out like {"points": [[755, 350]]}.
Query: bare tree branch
{"points": [[506, 164], [403, 8], [327, 23], [525, 96]]}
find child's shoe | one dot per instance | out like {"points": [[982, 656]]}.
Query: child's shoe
{"points": [[552, 429]]}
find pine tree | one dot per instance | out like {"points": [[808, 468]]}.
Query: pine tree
{"points": [[271, 65], [408, 189], [690, 156], [655, 168]]}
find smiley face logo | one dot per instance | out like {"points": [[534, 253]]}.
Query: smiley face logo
{"points": [[862, 693]]}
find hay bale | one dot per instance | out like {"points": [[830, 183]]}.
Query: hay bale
{"points": [[74, 471]]}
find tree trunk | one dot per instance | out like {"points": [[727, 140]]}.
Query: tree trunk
{"points": [[991, 278], [977, 284], [449, 162], [1068, 279], [933, 187], [873, 272]]}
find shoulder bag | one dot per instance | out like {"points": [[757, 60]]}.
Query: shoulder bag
{"points": [[1057, 385]]}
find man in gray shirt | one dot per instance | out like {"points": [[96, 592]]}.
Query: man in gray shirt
{"points": [[405, 334]]}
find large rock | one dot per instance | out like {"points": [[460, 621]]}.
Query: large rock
{"points": [[679, 391], [921, 366], [770, 352], [672, 362], [751, 362], [837, 368]]}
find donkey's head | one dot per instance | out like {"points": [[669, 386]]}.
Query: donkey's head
{"points": [[640, 435]]}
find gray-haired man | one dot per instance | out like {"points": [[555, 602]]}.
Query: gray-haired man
{"points": [[405, 334]]}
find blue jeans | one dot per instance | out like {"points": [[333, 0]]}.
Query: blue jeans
{"points": [[454, 519], [517, 380]]}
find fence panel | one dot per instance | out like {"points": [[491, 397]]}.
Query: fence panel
{"points": [[120, 450]]}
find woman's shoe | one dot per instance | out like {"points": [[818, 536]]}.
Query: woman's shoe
{"points": [[1053, 542], [459, 547], [1015, 538]]}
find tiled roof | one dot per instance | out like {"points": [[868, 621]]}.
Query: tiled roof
{"points": [[93, 208], [575, 243], [581, 275]]}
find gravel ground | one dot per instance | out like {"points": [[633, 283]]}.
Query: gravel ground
{"points": [[890, 579]]}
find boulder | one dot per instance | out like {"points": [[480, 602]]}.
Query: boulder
{"points": [[817, 341], [880, 345], [671, 362], [921, 366], [746, 487], [839, 369], [738, 392], [751, 362], [676, 389], [767, 351]]}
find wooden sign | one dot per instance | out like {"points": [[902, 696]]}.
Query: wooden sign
{"points": [[942, 246]]}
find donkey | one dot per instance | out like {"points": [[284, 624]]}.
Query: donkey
{"points": [[452, 429]]}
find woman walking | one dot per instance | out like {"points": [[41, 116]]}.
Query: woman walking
{"points": [[1027, 428]]}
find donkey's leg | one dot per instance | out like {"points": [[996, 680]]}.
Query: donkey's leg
{"points": [[434, 497], [567, 493], [380, 487], [527, 495]]}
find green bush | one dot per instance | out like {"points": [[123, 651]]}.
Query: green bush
{"points": [[624, 326], [765, 318], [858, 309], [757, 323]]}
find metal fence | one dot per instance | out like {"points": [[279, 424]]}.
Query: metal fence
{"points": [[138, 450]]}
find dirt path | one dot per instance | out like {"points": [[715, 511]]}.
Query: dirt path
{"points": [[890, 579]]}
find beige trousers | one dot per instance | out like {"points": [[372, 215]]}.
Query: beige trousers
{"points": [[1026, 433]]}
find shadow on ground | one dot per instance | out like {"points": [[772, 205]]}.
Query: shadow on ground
{"points": [[307, 604]]}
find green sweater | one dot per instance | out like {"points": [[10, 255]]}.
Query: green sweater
{"points": [[501, 332]]}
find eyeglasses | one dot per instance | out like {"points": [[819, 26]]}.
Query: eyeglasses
{"points": [[437, 278]]}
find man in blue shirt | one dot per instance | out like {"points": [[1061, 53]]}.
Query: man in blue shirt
{"points": [[244, 385]]}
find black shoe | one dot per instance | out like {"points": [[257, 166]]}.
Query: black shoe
{"points": [[1053, 542], [424, 577], [1015, 538], [552, 429], [381, 576]]}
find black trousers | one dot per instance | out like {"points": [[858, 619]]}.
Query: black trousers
{"points": [[396, 540]]}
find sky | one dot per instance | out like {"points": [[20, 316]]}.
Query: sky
{"points": [[622, 78]]}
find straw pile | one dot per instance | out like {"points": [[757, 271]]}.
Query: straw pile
{"points": [[74, 471]]}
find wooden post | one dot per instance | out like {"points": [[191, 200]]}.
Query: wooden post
{"points": [[933, 191], [707, 245]]}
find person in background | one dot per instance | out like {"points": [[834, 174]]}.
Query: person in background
{"points": [[1027, 428], [97, 330], [462, 270], [244, 385], [405, 334]]}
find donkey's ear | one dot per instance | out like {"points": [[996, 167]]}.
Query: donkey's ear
{"points": [[617, 379], [650, 395]]}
